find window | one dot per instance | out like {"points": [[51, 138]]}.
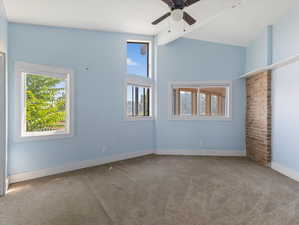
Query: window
{"points": [[138, 58], [139, 83], [185, 103], [45, 100], [138, 101], [201, 100], [213, 101]]}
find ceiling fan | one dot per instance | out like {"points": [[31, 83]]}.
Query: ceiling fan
{"points": [[177, 11]]}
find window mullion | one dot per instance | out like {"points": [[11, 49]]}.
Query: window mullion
{"points": [[136, 101], [198, 102], [194, 102], [148, 101], [133, 101], [145, 101]]}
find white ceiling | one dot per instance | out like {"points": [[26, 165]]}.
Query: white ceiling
{"points": [[243, 24], [236, 27]]}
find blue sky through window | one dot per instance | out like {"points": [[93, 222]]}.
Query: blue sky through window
{"points": [[137, 59]]}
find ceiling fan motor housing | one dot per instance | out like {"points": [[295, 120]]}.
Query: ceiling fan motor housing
{"points": [[178, 4], [177, 11]]}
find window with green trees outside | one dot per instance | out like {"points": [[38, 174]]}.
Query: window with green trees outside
{"points": [[45, 103], [45, 97]]}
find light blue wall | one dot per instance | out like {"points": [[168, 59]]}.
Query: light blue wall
{"points": [[98, 96], [285, 88], [286, 35], [259, 51], [3, 28], [193, 60], [99, 91]]}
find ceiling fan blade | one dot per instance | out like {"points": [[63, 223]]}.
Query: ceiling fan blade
{"points": [[168, 2], [189, 19], [161, 18], [190, 2]]}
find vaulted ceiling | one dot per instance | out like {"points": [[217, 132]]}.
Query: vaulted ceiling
{"points": [[237, 26]]}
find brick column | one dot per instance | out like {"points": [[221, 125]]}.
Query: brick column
{"points": [[258, 118]]}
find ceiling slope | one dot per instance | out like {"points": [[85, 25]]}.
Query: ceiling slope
{"points": [[236, 27]]}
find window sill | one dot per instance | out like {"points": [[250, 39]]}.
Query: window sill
{"points": [[208, 118], [135, 79], [139, 118], [24, 138]]}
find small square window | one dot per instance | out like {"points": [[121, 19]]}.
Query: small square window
{"points": [[138, 59], [138, 101], [213, 101], [185, 101]]}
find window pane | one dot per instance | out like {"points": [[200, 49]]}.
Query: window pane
{"points": [[185, 103], [214, 105], [130, 102], [137, 59], [212, 101], [140, 101], [45, 103], [203, 103], [147, 102]]}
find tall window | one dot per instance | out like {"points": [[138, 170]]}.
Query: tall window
{"points": [[139, 82], [138, 59], [201, 100], [45, 101]]}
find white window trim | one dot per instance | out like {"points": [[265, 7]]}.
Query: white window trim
{"points": [[22, 68], [140, 83], [148, 82], [198, 84]]}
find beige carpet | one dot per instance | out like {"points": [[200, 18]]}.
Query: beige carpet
{"points": [[157, 190]]}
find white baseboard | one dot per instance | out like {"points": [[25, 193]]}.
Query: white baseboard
{"points": [[96, 162], [285, 171], [75, 166], [201, 152]]}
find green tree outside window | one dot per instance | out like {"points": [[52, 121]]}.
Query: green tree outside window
{"points": [[45, 103]]}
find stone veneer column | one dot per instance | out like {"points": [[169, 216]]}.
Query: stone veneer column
{"points": [[258, 118]]}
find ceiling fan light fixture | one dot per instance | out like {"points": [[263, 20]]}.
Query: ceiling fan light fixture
{"points": [[177, 15]]}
